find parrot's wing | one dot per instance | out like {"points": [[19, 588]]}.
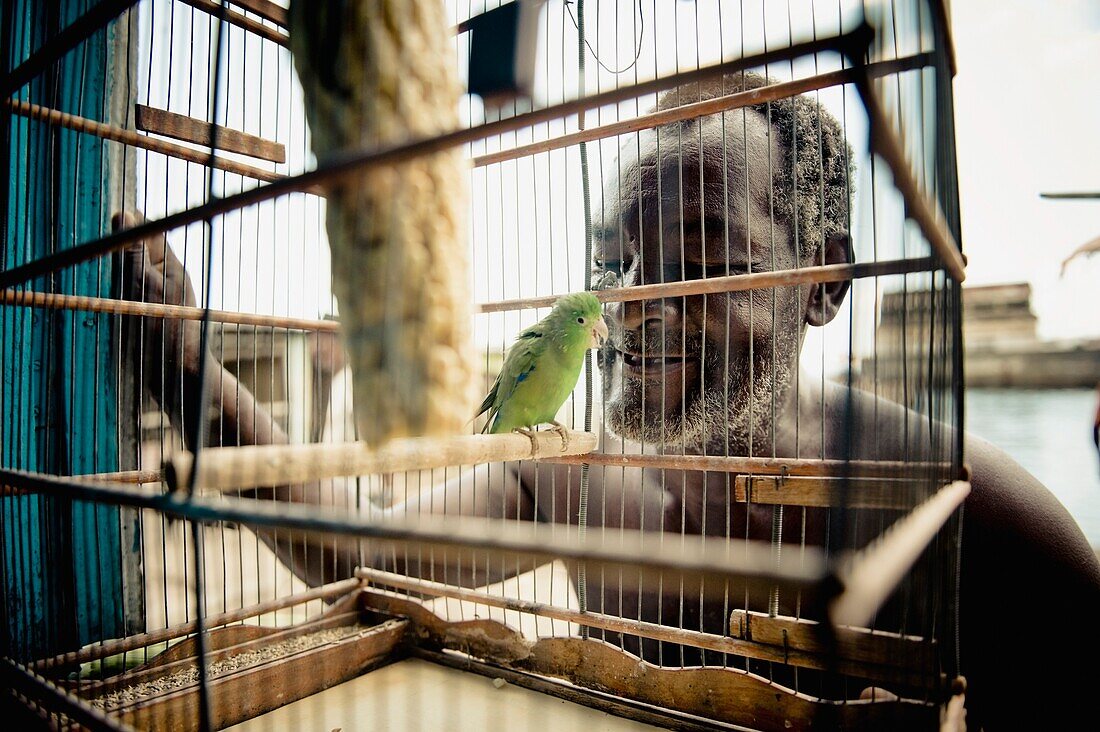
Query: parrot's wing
{"points": [[518, 364]]}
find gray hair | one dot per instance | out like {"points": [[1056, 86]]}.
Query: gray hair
{"points": [[817, 159]]}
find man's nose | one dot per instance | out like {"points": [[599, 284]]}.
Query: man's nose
{"points": [[645, 315]]}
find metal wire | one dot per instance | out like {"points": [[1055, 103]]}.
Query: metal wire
{"points": [[524, 230]]}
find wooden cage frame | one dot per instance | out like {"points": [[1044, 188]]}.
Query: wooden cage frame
{"points": [[381, 625]]}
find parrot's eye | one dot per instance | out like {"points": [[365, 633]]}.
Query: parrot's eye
{"points": [[580, 320]]}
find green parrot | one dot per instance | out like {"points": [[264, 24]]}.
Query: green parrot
{"points": [[543, 365]]}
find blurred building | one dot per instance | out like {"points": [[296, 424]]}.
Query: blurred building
{"points": [[1000, 339]]}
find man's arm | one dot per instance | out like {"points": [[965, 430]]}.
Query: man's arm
{"points": [[1030, 599], [171, 371]]}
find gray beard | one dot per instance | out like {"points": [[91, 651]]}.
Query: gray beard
{"points": [[721, 418]]}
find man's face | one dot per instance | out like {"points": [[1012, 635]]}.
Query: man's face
{"points": [[704, 371]]}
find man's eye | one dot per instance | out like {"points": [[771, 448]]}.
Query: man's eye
{"points": [[697, 271]]}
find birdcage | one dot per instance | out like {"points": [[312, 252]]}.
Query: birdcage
{"points": [[257, 262]]}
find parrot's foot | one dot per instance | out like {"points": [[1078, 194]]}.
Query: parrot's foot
{"points": [[563, 431], [532, 437]]}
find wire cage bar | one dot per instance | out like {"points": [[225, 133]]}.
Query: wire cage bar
{"points": [[751, 515]]}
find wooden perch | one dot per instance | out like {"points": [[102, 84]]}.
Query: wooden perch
{"points": [[232, 468]]}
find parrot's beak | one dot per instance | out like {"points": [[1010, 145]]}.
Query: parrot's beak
{"points": [[599, 333]]}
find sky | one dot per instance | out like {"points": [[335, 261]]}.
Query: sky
{"points": [[1027, 120]]}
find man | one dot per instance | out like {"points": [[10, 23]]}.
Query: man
{"points": [[1096, 423], [718, 375]]}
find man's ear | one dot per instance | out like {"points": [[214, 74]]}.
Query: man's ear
{"points": [[826, 297]]}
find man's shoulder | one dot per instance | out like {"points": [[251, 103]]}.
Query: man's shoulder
{"points": [[1007, 506], [1006, 499]]}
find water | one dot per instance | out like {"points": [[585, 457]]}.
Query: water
{"points": [[1049, 432]]}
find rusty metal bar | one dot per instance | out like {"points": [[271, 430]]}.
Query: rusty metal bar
{"points": [[133, 642], [751, 562], [240, 20], [129, 137], [157, 310], [732, 283], [265, 9], [726, 103], [57, 46], [35, 687], [1072, 195], [943, 21], [753, 465], [342, 165], [922, 208]]}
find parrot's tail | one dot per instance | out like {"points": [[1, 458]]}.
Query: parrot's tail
{"points": [[485, 427]]}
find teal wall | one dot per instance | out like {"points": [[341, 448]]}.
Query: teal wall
{"points": [[61, 560]]}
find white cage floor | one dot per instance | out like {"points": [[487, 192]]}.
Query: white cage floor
{"points": [[418, 695]]}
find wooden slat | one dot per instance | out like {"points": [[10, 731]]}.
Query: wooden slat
{"points": [[859, 645], [120, 476], [642, 629], [198, 132], [678, 289], [873, 573], [241, 21], [135, 139], [826, 492], [233, 468], [898, 672], [667, 116], [725, 694]]}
